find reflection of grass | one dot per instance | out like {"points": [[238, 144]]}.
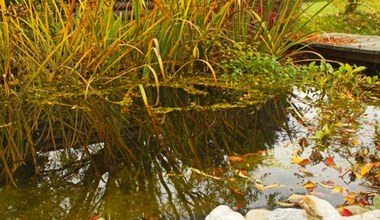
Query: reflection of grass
{"points": [[332, 19]]}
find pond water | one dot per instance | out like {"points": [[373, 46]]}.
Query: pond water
{"points": [[244, 157]]}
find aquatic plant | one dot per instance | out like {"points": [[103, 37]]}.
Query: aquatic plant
{"points": [[75, 74]]}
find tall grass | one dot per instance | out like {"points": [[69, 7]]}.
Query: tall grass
{"points": [[72, 75]]}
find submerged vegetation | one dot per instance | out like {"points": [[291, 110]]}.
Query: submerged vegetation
{"points": [[160, 86]]}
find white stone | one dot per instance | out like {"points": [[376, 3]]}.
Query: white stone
{"points": [[313, 209], [224, 212], [278, 214], [319, 209]]}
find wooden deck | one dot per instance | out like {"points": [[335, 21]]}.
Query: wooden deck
{"points": [[357, 48]]}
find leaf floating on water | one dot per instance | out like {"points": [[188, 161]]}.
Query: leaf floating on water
{"points": [[307, 173], [329, 161], [300, 161], [355, 142], [309, 185], [377, 147], [366, 168], [232, 179], [204, 174], [242, 173], [329, 184], [235, 158], [350, 198], [237, 191], [273, 186]]}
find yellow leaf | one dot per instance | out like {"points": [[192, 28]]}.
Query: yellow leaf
{"points": [[309, 185], [272, 186], [366, 168], [337, 189], [350, 198], [300, 161], [296, 160], [259, 186], [355, 142], [204, 174]]}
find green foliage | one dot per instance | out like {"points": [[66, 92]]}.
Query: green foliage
{"points": [[363, 20], [78, 72], [255, 64]]}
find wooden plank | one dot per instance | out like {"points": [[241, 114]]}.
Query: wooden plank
{"points": [[354, 47]]}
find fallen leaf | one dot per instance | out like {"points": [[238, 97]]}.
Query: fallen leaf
{"points": [[204, 174], [300, 161], [329, 184], [350, 198], [272, 186], [235, 158], [243, 173], [366, 168], [236, 191], [345, 212], [355, 142], [337, 189], [309, 185], [356, 209], [259, 186], [307, 173], [377, 147], [329, 161]]}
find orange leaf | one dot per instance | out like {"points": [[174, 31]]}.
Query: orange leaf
{"points": [[377, 147], [366, 168], [378, 176], [345, 212], [329, 161], [236, 158]]}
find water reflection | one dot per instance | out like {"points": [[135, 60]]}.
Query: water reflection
{"points": [[161, 183], [182, 169]]}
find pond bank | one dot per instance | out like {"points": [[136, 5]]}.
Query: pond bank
{"points": [[312, 208]]}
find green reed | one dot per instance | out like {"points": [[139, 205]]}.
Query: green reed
{"points": [[74, 72]]}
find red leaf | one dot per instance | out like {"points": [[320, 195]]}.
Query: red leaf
{"points": [[329, 161], [345, 212]]}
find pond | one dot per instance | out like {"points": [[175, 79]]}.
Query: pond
{"points": [[242, 156]]}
